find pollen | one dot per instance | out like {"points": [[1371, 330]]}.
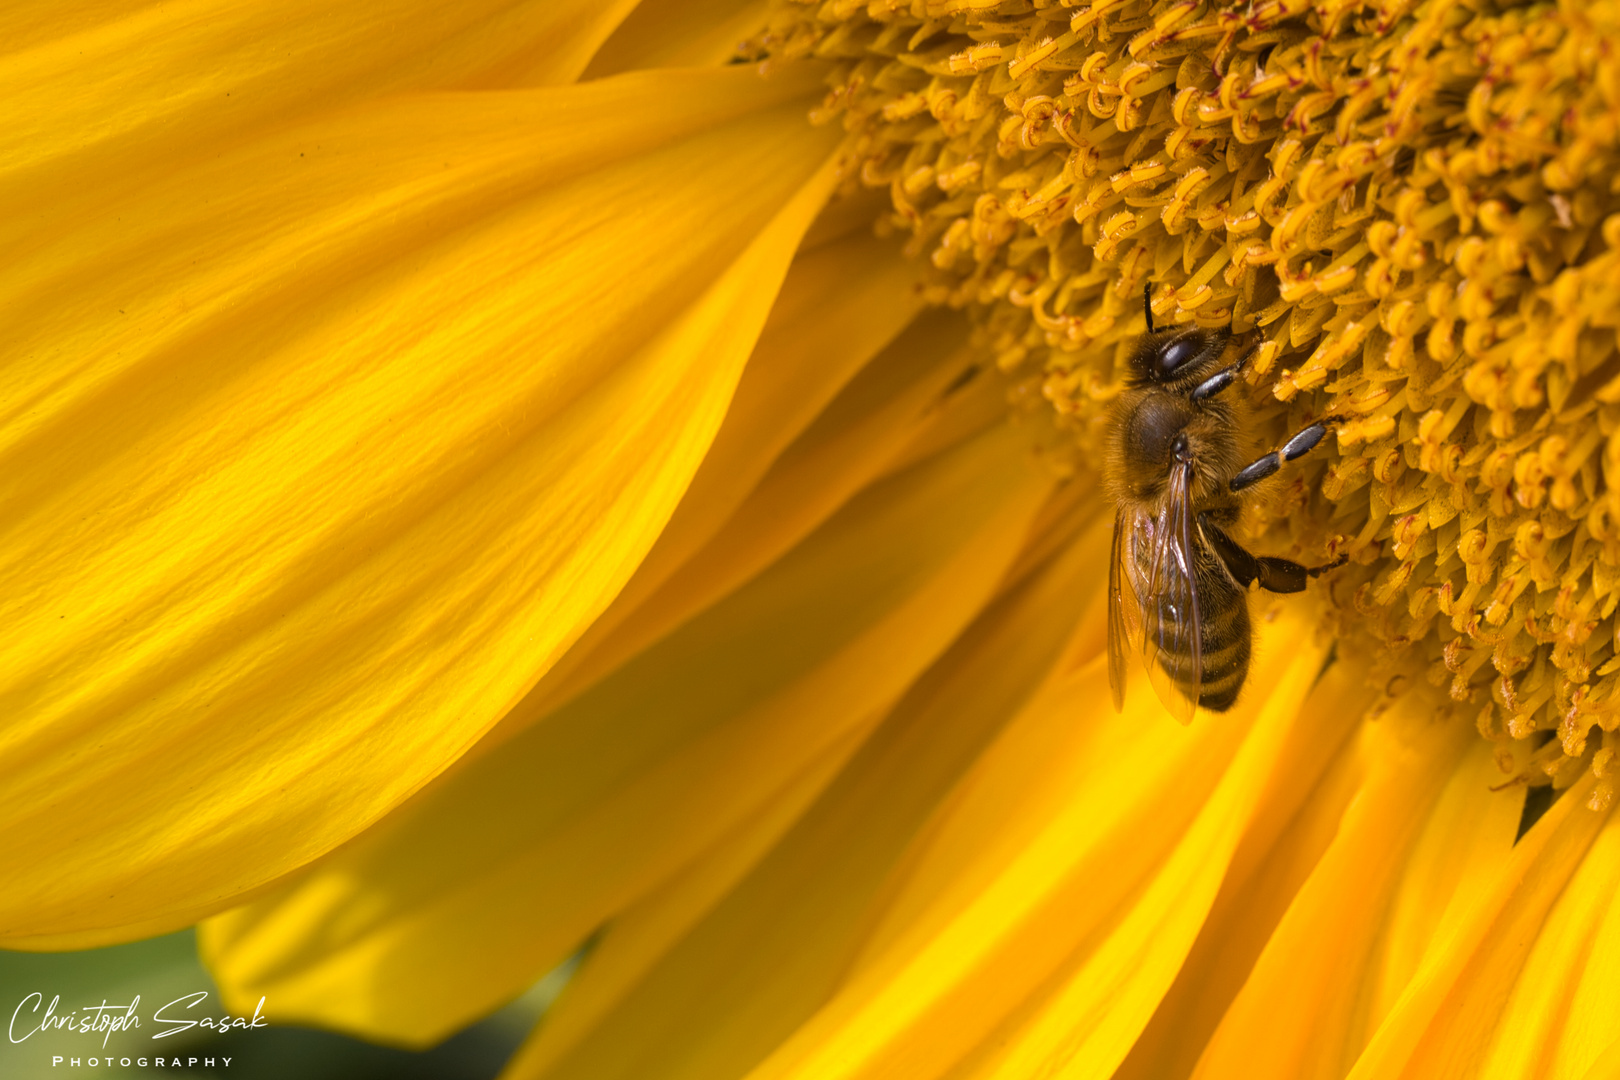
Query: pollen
{"points": [[1408, 212]]}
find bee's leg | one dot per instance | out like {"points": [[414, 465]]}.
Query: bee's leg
{"points": [[1273, 574], [1222, 378], [1301, 444], [1285, 575]]}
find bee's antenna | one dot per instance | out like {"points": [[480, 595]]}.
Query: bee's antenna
{"points": [[1147, 304]]}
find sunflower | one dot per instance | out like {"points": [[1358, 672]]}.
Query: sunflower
{"points": [[496, 483]]}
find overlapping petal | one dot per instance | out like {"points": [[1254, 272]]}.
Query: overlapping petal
{"points": [[708, 974], [1514, 983], [1397, 930], [842, 302], [97, 93], [432, 918], [317, 454], [939, 948], [1559, 1019], [1023, 902], [678, 33], [1367, 908]]}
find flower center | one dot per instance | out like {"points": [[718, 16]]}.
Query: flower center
{"points": [[1404, 211]]}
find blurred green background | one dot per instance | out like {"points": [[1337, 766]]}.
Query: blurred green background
{"points": [[166, 968]]}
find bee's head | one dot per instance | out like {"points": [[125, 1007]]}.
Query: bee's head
{"points": [[1172, 355]]}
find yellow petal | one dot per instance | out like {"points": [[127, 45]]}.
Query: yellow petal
{"points": [[1462, 843], [1451, 1016], [639, 936], [1294, 822], [1561, 1014], [679, 33], [986, 910], [853, 442], [314, 463], [1106, 1000], [440, 918], [1607, 1065], [1075, 871], [1450, 1006], [94, 92], [678, 987], [1313, 989], [842, 302]]}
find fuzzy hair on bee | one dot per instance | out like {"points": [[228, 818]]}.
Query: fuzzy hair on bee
{"points": [[1179, 470]]}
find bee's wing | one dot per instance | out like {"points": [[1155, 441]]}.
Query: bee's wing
{"points": [[1172, 638], [1124, 610]]}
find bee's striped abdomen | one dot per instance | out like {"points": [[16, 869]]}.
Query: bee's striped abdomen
{"points": [[1223, 617]]}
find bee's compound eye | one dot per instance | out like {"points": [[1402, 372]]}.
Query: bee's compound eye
{"points": [[1177, 353]]}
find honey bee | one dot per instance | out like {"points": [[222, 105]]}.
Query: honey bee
{"points": [[1177, 580]]}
